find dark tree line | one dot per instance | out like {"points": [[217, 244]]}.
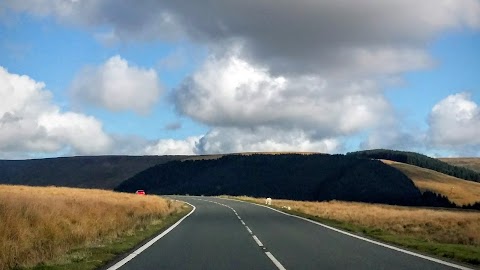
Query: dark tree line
{"points": [[436, 200], [474, 206], [297, 177], [420, 161], [104, 172]]}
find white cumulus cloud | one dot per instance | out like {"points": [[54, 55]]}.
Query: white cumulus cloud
{"points": [[31, 123], [455, 121], [83, 133], [310, 68], [117, 86], [187, 146], [230, 92], [237, 140]]}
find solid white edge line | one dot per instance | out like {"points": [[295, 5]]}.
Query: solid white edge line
{"points": [[364, 239], [149, 243], [275, 261]]}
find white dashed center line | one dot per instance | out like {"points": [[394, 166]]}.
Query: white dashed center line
{"points": [[259, 243]]}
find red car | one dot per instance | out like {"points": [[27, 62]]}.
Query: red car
{"points": [[140, 192]]}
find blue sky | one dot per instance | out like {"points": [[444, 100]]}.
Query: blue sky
{"points": [[167, 79], [31, 42], [457, 57]]}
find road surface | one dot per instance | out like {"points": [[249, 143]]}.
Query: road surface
{"points": [[227, 234]]}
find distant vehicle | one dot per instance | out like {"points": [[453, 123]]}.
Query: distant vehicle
{"points": [[140, 192]]}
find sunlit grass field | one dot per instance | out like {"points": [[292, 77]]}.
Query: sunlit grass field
{"points": [[471, 163], [457, 190], [38, 224], [448, 233]]}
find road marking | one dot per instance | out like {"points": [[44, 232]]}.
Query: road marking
{"points": [[149, 243], [275, 261], [257, 240], [259, 243], [364, 239]]}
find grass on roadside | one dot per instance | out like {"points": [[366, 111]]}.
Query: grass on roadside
{"points": [[445, 233], [68, 228], [92, 257]]}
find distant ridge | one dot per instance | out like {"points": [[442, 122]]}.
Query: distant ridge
{"points": [[288, 176], [420, 160], [103, 172], [459, 191], [297, 175], [471, 163], [278, 153]]}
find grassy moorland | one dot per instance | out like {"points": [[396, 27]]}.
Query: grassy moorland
{"points": [[69, 228], [446, 233], [419, 160], [457, 190], [471, 163]]}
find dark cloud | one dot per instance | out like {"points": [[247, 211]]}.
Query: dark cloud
{"points": [[294, 36]]}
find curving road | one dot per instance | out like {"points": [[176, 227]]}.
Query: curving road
{"points": [[227, 234]]}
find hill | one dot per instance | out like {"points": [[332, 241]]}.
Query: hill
{"points": [[420, 161], [470, 163], [103, 172], [457, 190], [300, 177]]}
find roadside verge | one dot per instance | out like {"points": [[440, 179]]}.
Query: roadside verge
{"points": [[451, 254]]}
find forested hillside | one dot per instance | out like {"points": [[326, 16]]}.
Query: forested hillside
{"points": [[104, 172], [420, 161], [298, 177]]}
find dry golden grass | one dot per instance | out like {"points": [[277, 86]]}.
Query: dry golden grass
{"points": [[41, 223], [471, 163], [457, 190], [442, 226]]}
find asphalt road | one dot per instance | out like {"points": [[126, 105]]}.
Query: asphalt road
{"points": [[226, 234]]}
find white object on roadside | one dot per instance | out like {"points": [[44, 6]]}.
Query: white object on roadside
{"points": [[268, 201]]}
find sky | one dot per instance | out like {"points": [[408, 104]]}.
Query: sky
{"points": [[104, 77]]}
